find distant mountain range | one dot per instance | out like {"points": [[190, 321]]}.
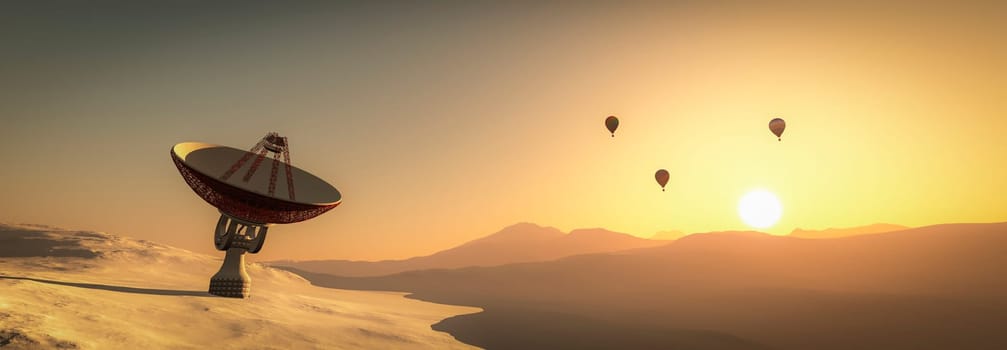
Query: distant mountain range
{"points": [[826, 233], [527, 242], [517, 243], [846, 232], [936, 287]]}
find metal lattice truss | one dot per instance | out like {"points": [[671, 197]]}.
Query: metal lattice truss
{"points": [[272, 142]]}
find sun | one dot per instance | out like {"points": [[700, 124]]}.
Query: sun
{"points": [[760, 209]]}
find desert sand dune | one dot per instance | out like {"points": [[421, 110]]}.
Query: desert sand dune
{"points": [[936, 287], [89, 290], [517, 243]]}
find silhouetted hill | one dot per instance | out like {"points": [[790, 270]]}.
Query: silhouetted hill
{"points": [[936, 287], [522, 242], [846, 232], [668, 235]]}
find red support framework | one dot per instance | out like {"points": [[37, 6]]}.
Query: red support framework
{"points": [[255, 165], [272, 142], [272, 173], [237, 165], [290, 175]]}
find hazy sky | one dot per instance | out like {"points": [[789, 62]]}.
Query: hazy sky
{"points": [[444, 121]]}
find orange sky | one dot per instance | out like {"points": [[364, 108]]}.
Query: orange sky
{"points": [[442, 123]]}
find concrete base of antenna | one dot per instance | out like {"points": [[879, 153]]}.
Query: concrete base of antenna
{"points": [[237, 237], [232, 280]]}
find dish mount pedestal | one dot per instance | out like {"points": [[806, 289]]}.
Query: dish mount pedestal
{"points": [[236, 237]]}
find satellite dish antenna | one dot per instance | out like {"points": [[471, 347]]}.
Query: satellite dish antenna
{"points": [[249, 201]]}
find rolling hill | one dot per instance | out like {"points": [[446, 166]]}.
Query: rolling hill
{"points": [[668, 235], [846, 232]]}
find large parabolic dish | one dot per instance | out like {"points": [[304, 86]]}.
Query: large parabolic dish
{"points": [[203, 165], [250, 199]]}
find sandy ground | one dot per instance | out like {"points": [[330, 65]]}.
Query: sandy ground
{"points": [[101, 291]]}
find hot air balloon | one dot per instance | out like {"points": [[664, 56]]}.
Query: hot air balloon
{"points": [[776, 126], [662, 177], [612, 123]]}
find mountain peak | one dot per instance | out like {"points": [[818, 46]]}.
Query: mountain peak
{"points": [[595, 232], [522, 225], [524, 231]]}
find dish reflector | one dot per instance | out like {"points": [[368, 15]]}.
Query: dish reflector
{"points": [[248, 195]]}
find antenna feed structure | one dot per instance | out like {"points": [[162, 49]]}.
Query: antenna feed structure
{"points": [[275, 143]]}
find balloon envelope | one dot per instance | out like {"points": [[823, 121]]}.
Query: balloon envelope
{"points": [[612, 123], [662, 177], [776, 126]]}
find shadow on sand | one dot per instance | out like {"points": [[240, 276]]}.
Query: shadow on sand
{"points": [[120, 289]]}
